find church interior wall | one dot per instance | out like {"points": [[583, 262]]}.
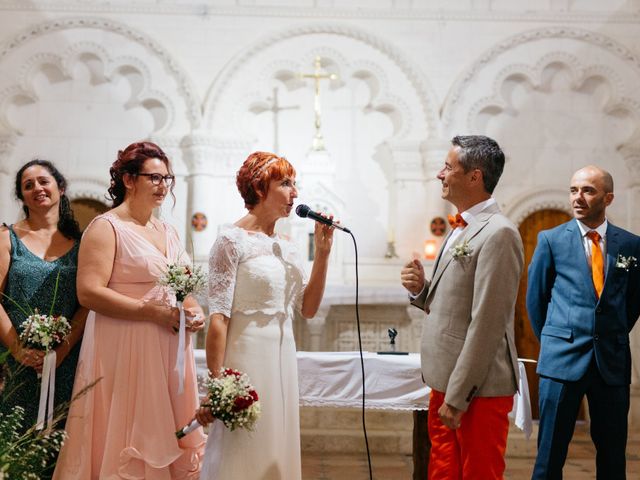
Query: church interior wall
{"points": [[555, 82]]}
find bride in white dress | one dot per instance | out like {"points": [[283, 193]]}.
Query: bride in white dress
{"points": [[256, 283]]}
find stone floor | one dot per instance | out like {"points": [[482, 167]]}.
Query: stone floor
{"points": [[520, 456]]}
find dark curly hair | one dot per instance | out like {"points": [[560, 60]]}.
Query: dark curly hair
{"points": [[67, 223], [256, 173], [130, 161]]}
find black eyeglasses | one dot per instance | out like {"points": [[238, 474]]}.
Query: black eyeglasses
{"points": [[156, 178]]}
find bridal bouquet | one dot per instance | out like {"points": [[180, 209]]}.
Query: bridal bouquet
{"points": [[182, 280], [232, 399]]}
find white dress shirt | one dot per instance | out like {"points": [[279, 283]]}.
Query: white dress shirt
{"points": [[587, 244]]}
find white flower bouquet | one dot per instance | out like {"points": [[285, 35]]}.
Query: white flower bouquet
{"points": [[232, 400], [182, 280], [44, 332]]}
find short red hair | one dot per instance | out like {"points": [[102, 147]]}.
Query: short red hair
{"points": [[257, 171]]}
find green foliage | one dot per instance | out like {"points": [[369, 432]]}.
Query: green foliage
{"points": [[25, 456]]}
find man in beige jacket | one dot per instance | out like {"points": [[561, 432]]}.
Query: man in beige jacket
{"points": [[468, 352]]}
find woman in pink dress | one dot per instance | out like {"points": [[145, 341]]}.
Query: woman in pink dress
{"points": [[123, 427]]}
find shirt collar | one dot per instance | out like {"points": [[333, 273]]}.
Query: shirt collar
{"points": [[470, 214], [601, 229]]}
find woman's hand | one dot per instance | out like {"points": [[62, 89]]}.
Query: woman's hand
{"points": [[194, 318], [29, 357], [323, 237], [204, 416], [163, 315]]}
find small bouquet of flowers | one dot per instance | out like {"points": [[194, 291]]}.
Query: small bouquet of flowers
{"points": [[44, 332], [182, 280], [232, 399]]}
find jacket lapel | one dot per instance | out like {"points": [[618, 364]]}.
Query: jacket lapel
{"points": [[613, 247], [480, 221]]}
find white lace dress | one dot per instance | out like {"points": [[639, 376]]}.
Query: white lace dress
{"points": [[257, 281]]}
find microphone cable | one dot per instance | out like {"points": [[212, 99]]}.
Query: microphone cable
{"points": [[364, 423]]}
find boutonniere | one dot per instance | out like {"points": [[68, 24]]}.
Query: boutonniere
{"points": [[626, 262], [461, 250]]}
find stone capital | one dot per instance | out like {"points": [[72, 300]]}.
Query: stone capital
{"points": [[206, 154]]}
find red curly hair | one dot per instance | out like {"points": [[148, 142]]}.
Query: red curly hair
{"points": [[257, 171]]}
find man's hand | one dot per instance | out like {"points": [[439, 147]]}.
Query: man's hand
{"points": [[450, 416], [412, 276]]}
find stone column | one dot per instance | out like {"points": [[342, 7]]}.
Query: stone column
{"points": [[213, 164], [633, 224], [175, 213], [7, 213], [415, 193], [316, 327]]}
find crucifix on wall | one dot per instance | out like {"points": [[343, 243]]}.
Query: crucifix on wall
{"points": [[317, 75], [272, 105]]}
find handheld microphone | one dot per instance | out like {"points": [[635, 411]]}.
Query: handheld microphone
{"points": [[304, 211]]}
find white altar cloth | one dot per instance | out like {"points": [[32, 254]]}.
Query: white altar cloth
{"points": [[394, 382]]}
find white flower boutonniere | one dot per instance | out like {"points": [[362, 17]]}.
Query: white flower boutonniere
{"points": [[461, 250], [626, 262]]}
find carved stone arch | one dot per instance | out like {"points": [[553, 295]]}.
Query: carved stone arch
{"points": [[102, 69], [184, 84], [462, 84], [422, 90], [382, 99], [537, 76], [90, 188], [524, 205]]}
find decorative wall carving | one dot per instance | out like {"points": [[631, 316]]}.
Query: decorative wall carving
{"points": [[491, 56], [423, 91], [102, 69], [185, 87]]}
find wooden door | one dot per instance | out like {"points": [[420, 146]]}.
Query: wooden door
{"points": [[526, 342], [86, 209]]}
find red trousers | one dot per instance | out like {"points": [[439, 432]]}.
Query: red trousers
{"points": [[475, 451]]}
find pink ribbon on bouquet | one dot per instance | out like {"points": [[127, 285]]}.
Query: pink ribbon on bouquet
{"points": [[47, 390], [182, 333]]}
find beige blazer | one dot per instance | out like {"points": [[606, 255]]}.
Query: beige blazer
{"points": [[468, 346]]}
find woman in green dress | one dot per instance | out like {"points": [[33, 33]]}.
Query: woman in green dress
{"points": [[33, 252]]}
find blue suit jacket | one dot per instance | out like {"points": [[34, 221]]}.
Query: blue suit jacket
{"points": [[567, 317]]}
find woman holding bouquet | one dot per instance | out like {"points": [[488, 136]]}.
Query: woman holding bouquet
{"points": [[35, 254], [124, 426], [256, 283]]}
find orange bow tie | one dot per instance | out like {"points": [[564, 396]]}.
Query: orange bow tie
{"points": [[456, 221]]}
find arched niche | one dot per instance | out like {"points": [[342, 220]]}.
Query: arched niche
{"points": [[86, 209]]}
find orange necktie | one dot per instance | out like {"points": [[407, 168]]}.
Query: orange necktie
{"points": [[597, 262], [456, 221]]}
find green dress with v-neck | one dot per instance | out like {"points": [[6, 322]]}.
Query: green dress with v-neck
{"points": [[31, 282]]}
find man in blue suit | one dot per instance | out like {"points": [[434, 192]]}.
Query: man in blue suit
{"points": [[583, 298]]}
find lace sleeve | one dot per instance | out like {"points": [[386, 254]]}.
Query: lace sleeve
{"points": [[223, 266]]}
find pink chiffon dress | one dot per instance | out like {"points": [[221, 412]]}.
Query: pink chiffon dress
{"points": [[123, 427]]}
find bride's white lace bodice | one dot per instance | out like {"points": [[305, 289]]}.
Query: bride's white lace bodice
{"points": [[251, 272]]}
